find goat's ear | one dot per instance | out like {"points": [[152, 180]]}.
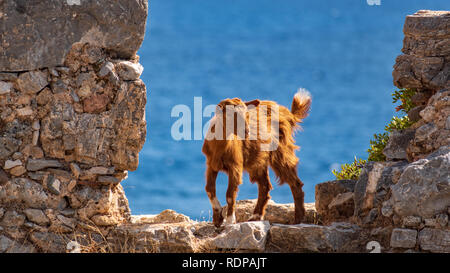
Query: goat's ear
{"points": [[253, 102]]}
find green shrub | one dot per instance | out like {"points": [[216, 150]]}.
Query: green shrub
{"points": [[377, 146], [350, 171], [404, 96], [398, 124]]}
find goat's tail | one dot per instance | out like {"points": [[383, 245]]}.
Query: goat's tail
{"points": [[301, 104]]}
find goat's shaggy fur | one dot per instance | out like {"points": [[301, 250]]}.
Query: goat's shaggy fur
{"points": [[235, 153]]}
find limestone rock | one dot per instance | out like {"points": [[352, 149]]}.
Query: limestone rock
{"points": [[5, 87], [403, 238], [3, 177], [159, 238], [37, 216], [425, 47], [275, 213], [9, 246], [165, 217], [398, 142], [435, 240], [412, 221], [39, 164], [49, 241], [339, 237], [32, 82], [327, 192], [40, 34], [12, 219], [129, 71], [372, 188], [424, 186], [9, 164], [247, 235]]}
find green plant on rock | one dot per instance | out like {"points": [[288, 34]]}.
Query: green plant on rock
{"points": [[404, 96], [377, 146], [350, 171], [398, 124]]}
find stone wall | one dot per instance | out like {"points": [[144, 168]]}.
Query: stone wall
{"points": [[72, 118]]}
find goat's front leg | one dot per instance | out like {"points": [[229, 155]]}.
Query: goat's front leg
{"points": [[210, 188], [234, 180]]}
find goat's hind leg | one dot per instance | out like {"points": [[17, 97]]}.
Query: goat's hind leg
{"points": [[297, 192], [264, 187], [234, 180], [210, 188]]}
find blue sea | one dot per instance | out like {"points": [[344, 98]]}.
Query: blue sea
{"points": [[342, 51]]}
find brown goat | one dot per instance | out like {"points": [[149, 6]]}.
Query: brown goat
{"points": [[252, 136]]}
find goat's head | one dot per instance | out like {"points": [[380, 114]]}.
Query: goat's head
{"points": [[231, 113]]}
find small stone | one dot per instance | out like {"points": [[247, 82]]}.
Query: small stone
{"points": [[5, 87], [53, 72], [129, 71], [9, 164], [53, 185], [412, 221], [39, 164], [37, 216], [414, 114], [432, 223], [8, 76], [101, 170], [24, 112], [36, 125], [107, 68], [3, 177], [18, 171], [35, 139], [76, 171], [71, 185], [32, 82], [96, 103], [104, 220], [403, 238], [428, 113], [442, 220], [2, 211], [36, 152], [17, 155], [12, 219], [108, 180], [447, 125], [70, 222]]}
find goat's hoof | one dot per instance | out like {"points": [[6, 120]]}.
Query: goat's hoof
{"points": [[255, 217]]}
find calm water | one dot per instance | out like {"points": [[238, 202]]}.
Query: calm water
{"points": [[342, 51]]}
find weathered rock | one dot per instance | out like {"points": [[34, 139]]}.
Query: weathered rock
{"points": [[412, 221], [327, 192], [372, 188], [32, 82], [165, 217], [414, 114], [40, 34], [398, 142], [53, 185], [275, 213], [22, 190], [12, 219], [129, 71], [435, 240], [425, 47], [39, 164], [49, 241], [3, 177], [10, 246], [424, 186], [442, 220], [108, 179], [5, 87], [18, 171], [9, 164], [339, 237], [37, 216], [247, 235], [403, 238], [155, 238]]}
